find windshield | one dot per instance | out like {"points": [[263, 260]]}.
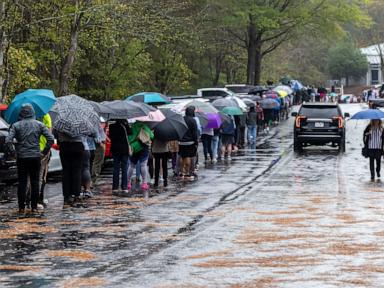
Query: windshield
{"points": [[239, 89], [319, 112], [3, 125]]}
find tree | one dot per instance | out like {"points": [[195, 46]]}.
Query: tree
{"points": [[262, 26], [346, 60]]}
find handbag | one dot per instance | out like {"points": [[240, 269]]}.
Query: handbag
{"points": [[364, 151], [144, 137], [130, 151]]}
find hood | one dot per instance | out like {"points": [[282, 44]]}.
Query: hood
{"points": [[26, 112], [190, 111]]}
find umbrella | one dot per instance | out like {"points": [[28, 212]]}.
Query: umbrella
{"points": [[239, 102], [258, 90], [203, 118], [272, 96], [220, 104], [75, 116], [42, 101], [224, 118], [269, 103], [249, 102], [233, 111], [282, 93], [296, 85], [256, 98], [127, 109], [101, 109], [214, 121], [150, 98], [285, 80], [370, 114], [153, 116], [201, 106], [172, 128], [285, 88]]}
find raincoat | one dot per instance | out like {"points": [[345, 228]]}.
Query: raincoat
{"points": [[133, 138]]}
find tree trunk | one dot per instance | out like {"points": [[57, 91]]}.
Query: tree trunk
{"points": [[252, 44], [218, 67], [70, 58], [258, 62]]}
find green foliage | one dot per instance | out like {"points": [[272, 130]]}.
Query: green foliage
{"points": [[22, 68], [346, 60]]}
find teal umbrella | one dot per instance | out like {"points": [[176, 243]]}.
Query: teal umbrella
{"points": [[232, 111], [150, 98], [42, 101]]}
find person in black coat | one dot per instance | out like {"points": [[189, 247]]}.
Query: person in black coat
{"points": [[118, 133], [374, 143], [188, 144]]}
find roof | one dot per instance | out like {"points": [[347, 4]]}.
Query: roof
{"points": [[373, 53]]}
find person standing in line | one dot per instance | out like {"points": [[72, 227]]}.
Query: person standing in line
{"points": [[118, 133], [140, 152], [240, 122], [206, 138], [227, 138], [27, 132], [174, 150], [88, 143], [374, 143], [215, 145], [99, 154], [160, 151], [260, 117], [47, 121], [252, 125], [188, 143]]}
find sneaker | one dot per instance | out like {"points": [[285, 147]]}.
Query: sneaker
{"points": [[88, 194], [214, 161], [40, 207], [229, 158], [144, 186]]}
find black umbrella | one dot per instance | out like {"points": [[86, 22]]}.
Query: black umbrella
{"points": [[257, 90], [172, 128], [127, 109], [101, 109]]}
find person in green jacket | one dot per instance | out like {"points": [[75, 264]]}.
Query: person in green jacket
{"points": [[139, 141]]}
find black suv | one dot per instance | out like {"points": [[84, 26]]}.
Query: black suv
{"points": [[8, 168], [319, 124]]}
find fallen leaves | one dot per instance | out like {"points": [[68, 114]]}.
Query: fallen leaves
{"points": [[20, 268], [75, 255], [84, 282]]}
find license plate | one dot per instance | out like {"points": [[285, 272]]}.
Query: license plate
{"points": [[319, 124]]}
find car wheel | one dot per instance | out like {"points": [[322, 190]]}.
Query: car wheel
{"points": [[297, 146], [342, 145]]}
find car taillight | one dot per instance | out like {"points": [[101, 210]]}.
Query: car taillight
{"points": [[298, 120], [339, 120]]}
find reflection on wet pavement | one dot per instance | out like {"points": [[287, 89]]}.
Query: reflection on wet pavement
{"points": [[271, 219]]}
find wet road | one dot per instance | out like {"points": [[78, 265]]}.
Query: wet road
{"points": [[273, 218]]}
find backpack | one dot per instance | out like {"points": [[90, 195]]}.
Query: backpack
{"points": [[228, 128]]}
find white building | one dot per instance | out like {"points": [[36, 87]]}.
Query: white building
{"points": [[374, 75]]}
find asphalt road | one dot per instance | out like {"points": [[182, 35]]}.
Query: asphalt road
{"points": [[269, 218]]}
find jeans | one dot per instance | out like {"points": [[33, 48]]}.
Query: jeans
{"points": [[28, 167], [252, 132], [85, 170], [163, 157], [71, 156], [120, 162], [215, 146], [207, 145]]}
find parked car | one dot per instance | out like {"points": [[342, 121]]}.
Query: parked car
{"points": [[240, 89], [8, 168], [319, 124], [214, 93]]}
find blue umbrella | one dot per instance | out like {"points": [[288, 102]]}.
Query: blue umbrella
{"points": [[42, 101], [150, 98], [296, 85], [369, 114]]}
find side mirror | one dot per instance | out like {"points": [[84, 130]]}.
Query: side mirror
{"points": [[294, 114], [347, 115]]}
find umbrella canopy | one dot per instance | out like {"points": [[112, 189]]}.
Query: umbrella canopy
{"points": [[249, 102], [153, 116], [272, 95], [75, 116], [127, 109], [239, 102], [150, 98], [256, 98], [214, 121], [225, 119], [258, 90], [285, 88], [220, 104], [282, 93], [173, 127], [101, 109], [233, 111], [201, 106], [369, 114], [203, 118], [269, 104], [42, 101], [296, 85]]}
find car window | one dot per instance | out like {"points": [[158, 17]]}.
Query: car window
{"points": [[214, 93], [3, 125], [240, 89], [319, 112]]}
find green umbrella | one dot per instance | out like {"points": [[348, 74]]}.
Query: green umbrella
{"points": [[232, 111]]}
